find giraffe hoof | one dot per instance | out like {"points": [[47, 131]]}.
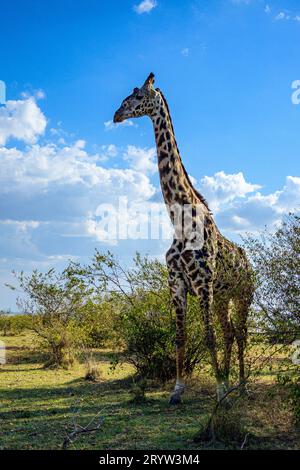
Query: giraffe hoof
{"points": [[175, 400]]}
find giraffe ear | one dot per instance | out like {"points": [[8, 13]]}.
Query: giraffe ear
{"points": [[148, 85], [149, 80]]}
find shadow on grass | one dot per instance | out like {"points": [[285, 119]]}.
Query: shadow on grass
{"points": [[104, 356], [24, 356], [152, 424], [73, 388], [127, 426]]}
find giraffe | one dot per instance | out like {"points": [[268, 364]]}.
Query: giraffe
{"points": [[213, 269]]}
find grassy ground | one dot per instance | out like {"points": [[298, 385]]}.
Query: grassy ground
{"points": [[38, 407]]}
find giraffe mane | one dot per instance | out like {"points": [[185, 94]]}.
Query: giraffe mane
{"points": [[202, 199]]}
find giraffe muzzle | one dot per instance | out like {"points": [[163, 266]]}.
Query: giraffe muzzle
{"points": [[118, 117]]}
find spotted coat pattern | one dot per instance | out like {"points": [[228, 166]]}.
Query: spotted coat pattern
{"points": [[216, 271]]}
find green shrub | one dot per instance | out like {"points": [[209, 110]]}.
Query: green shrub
{"points": [[276, 260], [138, 309], [93, 373], [14, 324], [138, 392], [290, 380], [96, 321], [149, 339], [5, 323], [148, 333], [54, 303], [229, 425]]}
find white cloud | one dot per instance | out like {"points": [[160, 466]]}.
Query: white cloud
{"points": [[254, 212], [107, 152], [145, 6], [36, 94], [51, 196], [16, 238], [223, 188], [185, 51], [110, 125], [287, 17], [52, 201], [289, 197], [282, 16], [95, 230], [59, 181], [51, 192], [240, 221], [267, 9], [141, 159], [193, 180], [22, 225], [22, 120], [80, 144], [40, 94]]}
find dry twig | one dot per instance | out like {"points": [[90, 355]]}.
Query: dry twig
{"points": [[78, 429]]}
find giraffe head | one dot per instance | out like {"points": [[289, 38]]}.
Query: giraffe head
{"points": [[139, 103]]}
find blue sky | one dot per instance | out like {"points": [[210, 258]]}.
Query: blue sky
{"points": [[226, 68]]}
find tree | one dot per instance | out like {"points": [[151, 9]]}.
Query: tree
{"points": [[276, 260], [55, 301]]}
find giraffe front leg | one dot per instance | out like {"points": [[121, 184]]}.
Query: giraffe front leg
{"points": [[206, 305], [179, 295]]}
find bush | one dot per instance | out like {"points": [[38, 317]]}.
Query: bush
{"points": [[148, 331], [290, 380], [96, 321], [14, 324], [5, 323], [276, 260], [138, 392], [93, 373], [54, 303], [137, 302], [228, 425], [149, 339]]}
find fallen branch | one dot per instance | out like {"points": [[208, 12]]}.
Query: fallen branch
{"points": [[78, 429], [244, 441], [208, 433]]}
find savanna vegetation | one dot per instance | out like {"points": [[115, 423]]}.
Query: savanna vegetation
{"points": [[96, 348]]}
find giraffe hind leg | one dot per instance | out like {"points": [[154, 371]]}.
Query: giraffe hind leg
{"points": [[206, 304], [222, 310], [240, 327]]}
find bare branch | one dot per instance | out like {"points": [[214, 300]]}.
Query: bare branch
{"points": [[78, 429]]}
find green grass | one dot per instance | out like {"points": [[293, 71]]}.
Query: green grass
{"points": [[38, 407]]}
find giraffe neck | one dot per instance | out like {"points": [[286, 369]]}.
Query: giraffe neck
{"points": [[175, 183]]}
